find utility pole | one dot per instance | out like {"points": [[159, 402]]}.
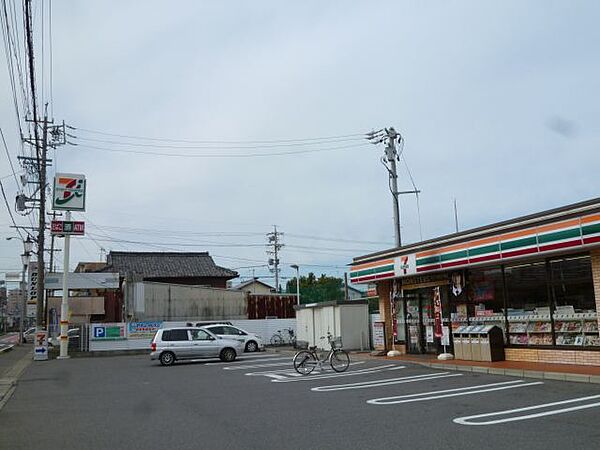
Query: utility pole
{"points": [[455, 216], [274, 245], [390, 136], [41, 267]]}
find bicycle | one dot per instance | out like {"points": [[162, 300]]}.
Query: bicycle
{"points": [[278, 338], [305, 361]]}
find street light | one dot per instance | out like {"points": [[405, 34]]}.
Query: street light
{"points": [[295, 266]]}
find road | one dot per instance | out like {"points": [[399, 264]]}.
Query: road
{"points": [[258, 403]]}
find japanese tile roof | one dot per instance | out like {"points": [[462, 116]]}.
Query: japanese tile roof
{"points": [[241, 286], [166, 265]]}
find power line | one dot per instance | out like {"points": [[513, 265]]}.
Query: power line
{"points": [[8, 156], [216, 147], [12, 218], [187, 141], [221, 155]]}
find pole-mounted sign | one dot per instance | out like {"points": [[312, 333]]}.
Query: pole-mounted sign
{"points": [[63, 227], [69, 195], [69, 192]]}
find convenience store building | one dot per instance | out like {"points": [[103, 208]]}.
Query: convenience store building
{"points": [[537, 277]]}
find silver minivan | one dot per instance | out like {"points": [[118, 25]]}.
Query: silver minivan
{"points": [[172, 344]]}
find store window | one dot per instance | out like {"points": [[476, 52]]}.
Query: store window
{"points": [[575, 315], [486, 298], [529, 321]]}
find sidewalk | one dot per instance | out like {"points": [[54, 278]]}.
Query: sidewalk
{"points": [[12, 365], [563, 372]]}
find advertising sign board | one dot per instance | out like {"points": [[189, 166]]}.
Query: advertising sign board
{"points": [[40, 351], [82, 280], [64, 227], [69, 192], [379, 335], [142, 330], [108, 331]]}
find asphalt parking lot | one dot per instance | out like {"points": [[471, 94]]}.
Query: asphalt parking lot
{"points": [[258, 402]]}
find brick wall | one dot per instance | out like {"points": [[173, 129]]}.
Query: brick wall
{"points": [[595, 254], [586, 358]]}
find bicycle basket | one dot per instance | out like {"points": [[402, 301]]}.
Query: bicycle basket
{"points": [[302, 345], [336, 342]]}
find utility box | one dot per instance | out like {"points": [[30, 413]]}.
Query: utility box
{"points": [[348, 320]]}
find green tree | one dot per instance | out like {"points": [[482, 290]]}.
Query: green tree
{"points": [[316, 290]]}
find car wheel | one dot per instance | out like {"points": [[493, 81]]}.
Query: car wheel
{"points": [[167, 358], [227, 355], [251, 346]]}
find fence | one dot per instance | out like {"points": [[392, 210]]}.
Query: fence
{"points": [[138, 335]]}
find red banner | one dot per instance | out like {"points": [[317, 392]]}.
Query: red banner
{"points": [[437, 313]]}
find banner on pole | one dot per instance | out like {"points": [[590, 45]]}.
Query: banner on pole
{"points": [[437, 313]]}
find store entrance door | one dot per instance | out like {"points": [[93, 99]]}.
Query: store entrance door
{"points": [[419, 321], [414, 328]]}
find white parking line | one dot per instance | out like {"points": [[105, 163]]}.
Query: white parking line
{"points": [[385, 382], [467, 419], [424, 396], [293, 371], [367, 371], [250, 360], [258, 366]]}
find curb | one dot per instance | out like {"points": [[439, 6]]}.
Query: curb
{"points": [[8, 348], [8, 384], [560, 376]]}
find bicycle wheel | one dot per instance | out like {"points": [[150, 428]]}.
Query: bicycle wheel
{"points": [[339, 360], [304, 362], [276, 340]]}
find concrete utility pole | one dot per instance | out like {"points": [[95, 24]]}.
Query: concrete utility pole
{"points": [[390, 136], [41, 267], [391, 155], [274, 245]]}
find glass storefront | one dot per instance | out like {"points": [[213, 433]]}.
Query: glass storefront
{"points": [[547, 303]]}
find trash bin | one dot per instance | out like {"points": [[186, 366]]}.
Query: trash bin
{"points": [[491, 344], [458, 342]]}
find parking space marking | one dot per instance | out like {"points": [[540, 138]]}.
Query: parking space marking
{"points": [[258, 366], [470, 390], [250, 360], [293, 371], [366, 371], [467, 419], [385, 382]]}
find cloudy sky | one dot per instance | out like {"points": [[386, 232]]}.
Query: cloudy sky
{"points": [[498, 103]]}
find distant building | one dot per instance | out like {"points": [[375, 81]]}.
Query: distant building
{"points": [[354, 293], [254, 286], [196, 268]]}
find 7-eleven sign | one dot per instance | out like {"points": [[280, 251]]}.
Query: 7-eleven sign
{"points": [[69, 192]]}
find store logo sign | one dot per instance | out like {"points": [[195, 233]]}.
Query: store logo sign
{"points": [[69, 192], [405, 265]]}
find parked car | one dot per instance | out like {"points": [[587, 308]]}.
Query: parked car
{"points": [[29, 335], [73, 334], [172, 344], [252, 342]]}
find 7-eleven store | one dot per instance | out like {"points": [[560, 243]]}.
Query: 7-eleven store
{"points": [[537, 277]]}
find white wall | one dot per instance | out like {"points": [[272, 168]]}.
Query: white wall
{"points": [[354, 326], [351, 322]]}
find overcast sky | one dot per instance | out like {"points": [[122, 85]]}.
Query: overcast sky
{"points": [[498, 103]]}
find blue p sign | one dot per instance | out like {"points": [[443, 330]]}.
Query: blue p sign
{"points": [[100, 332]]}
